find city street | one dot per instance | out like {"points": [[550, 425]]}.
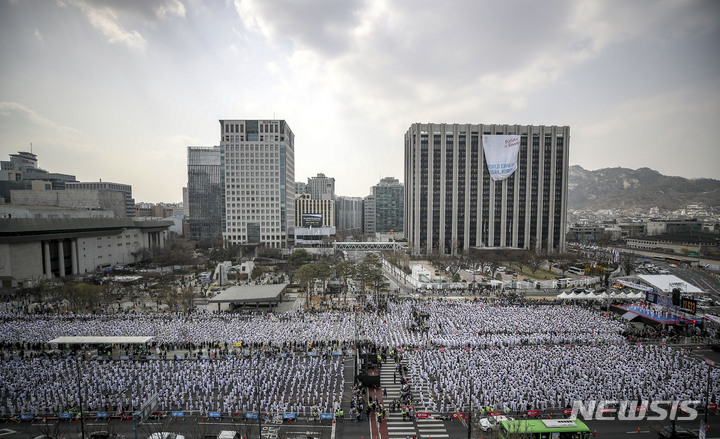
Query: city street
{"points": [[195, 428]]}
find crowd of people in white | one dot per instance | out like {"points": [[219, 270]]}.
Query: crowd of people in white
{"points": [[293, 384], [536, 377], [514, 356], [451, 323]]}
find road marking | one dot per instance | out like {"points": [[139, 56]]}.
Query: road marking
{"points": [[7, 431]]}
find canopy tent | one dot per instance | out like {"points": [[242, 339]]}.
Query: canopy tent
{"points": [[630, 316], [666, 283], [101, 340]]}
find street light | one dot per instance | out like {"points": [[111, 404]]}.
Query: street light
{"points": [[710, 364]]}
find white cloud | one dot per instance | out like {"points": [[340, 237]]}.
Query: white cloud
{"points": [[16, 114], [350, 77], [39, 37], [167, 10], [109, 16], [653, 131], [106, 22]]}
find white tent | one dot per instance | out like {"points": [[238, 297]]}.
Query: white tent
{"points": [[563, 295]]}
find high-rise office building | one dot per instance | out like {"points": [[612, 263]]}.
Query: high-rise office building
{"points": [[258, 180], [310, 212], [369, 215], [389, 201], [321, 187], [204, 193], [454, 200], [349, 213]]}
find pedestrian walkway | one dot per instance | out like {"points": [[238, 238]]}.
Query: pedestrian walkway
{"points": [[397, 427]]}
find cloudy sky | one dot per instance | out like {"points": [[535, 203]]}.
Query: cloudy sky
{"points": [[117, 89]]}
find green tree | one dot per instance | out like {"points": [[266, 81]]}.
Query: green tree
{"points": [[298, 258]]}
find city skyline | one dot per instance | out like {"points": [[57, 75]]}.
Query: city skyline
{"points": [[118, 90]]}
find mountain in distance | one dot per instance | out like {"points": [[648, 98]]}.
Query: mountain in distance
{"points": [[622, 188]]}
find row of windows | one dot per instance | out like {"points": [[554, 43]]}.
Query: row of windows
{"points": [[251, 151], [118, 237], [253, 137]]}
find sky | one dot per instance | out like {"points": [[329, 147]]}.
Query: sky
{"points": [[118, 89]]}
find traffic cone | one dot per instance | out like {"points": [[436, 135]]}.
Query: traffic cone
{"points": [[638, 430]]}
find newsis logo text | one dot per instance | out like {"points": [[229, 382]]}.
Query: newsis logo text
{"points": [[635, 411]]}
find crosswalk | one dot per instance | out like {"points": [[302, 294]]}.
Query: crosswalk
{"points": [[397, 427]]}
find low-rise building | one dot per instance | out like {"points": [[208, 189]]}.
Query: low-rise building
{"points": [[37, 248], [682, 244]]}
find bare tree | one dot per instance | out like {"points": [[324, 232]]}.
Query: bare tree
{"points": [[535, 261], [82, 296], [521, 258], [306, 275], [628, 262]]}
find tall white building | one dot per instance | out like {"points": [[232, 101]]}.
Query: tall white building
{"points": [[257, 158]]}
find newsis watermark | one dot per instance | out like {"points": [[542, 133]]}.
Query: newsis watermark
{"points": [[635, 410]]}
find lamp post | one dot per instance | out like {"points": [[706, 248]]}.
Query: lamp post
{"points": [[710, 364]]}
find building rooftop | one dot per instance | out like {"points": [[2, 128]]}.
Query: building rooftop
{"points": [[34, 226], [250, 293]]}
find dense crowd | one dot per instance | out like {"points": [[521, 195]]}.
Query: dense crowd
{"points": [[233, 385], [541, 377], [474, 323], [514, 356]]}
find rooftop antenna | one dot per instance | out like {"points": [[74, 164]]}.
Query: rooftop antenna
{"points": [[30, 147]]}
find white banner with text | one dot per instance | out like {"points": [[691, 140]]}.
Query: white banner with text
{"points": [[501, 155]]}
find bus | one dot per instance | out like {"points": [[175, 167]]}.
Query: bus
{"points": [[576, 271], [544, 429]]}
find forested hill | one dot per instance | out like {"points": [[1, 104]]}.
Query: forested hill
{"points": [[612, 188]]}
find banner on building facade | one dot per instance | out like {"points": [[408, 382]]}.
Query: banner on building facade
{"points": [[501, 155]]}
